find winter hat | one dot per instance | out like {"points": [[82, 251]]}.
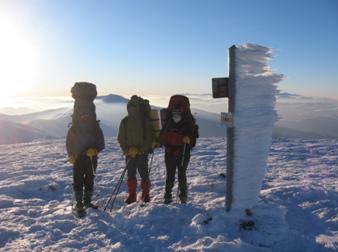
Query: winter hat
{"points": [[132, 103]]}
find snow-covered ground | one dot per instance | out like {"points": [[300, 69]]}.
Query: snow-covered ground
{"points": [[298, 210]]}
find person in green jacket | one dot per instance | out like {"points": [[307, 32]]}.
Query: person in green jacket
{"points": [[135, 139]]}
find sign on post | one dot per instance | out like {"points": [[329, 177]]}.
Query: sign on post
{"points": [[225, 88], [220, 87]]}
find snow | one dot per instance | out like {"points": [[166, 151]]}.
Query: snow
{"points": [[297, 211], [254, 117]]}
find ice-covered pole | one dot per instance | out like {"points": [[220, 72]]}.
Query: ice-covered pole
{"points": [[251, 89]]}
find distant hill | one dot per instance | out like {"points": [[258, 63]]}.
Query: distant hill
{"points": [[11, 132], [112, 98], [300, 117]]}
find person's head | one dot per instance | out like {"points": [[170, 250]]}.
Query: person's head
{"points": [[132, 108], [177, 115]]}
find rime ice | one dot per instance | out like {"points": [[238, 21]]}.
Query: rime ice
{"points": [[253, 119]]}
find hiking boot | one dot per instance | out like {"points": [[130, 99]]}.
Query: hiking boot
{"points": [[168, 200], [87, 198], [167, 197], [145, 186], [131, 184], [78, 197], [183, 199], [183, 191], [91, 205], [80, 210], [79, 206]]}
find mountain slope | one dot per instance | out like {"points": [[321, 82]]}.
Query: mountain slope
{"points": [[17, 133]]}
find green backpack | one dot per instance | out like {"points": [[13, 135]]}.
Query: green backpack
{"points": [[150, 115]]}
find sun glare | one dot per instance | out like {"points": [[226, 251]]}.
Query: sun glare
{"points": [[17, 60]]}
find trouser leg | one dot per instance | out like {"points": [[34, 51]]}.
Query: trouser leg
{"points": [[132, 182], [170, 162], [131, 168], [78, 181], [142, 166], [89, 177], [182, 177]]}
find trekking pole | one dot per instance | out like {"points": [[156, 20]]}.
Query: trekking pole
{"points": [[151, 163], [177, 193], [93, 170], [182, 163], [118, 189], [115, 188], [183, 154]]}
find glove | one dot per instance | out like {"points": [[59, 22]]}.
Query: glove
{"points": [[186, 140], [155, 144], [132, 152], [72, 159], [91, 152]]}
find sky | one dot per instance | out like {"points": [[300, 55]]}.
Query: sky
{"points": [[150, 47]]}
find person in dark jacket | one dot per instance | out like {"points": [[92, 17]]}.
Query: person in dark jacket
{"points": [[135, 139], [84, 141], [178, 136]]}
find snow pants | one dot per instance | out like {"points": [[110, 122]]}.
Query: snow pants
{"points": [[140, 163], [83, 173], [172, 163]]}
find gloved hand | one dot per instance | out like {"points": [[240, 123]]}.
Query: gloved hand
{"points": [[72, 159], [155, 144], [186, 140], [132, 152], [91, 152]]}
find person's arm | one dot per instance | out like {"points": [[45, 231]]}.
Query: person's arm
{"points": [[163, 137], [100, 139], [148, 140], [70, 141], [121, 138]]}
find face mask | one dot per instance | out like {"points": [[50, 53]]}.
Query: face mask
{"points": [[177, 118], [132, 111]]}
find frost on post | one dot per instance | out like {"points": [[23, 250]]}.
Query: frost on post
{"points": [[254, 117], [251, 90]]}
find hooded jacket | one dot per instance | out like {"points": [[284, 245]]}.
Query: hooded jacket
{"points": [[135, 131]]}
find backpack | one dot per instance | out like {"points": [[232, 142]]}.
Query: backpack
{"points": [[182, 103], [150, 115], [84, 91], [84, 94], [84, 131]]}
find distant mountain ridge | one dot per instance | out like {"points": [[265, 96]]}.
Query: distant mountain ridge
{"points": [[112, 98], [300, 117]]}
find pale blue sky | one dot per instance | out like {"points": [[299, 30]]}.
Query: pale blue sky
{"points": [[163, 47]]}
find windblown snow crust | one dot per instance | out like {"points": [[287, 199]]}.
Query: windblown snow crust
{"points": [[254, 117], [298, 211]]}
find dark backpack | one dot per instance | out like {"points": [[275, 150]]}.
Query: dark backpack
{"points": [[84, 94], [84, 91], [84, 131], [150, 115], [182, 103]]}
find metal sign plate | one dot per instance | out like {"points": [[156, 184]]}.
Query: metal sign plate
{"points": [[220, 87]]}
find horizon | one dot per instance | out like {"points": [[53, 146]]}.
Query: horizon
{"points": [[155, 48], [202, 101]]}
